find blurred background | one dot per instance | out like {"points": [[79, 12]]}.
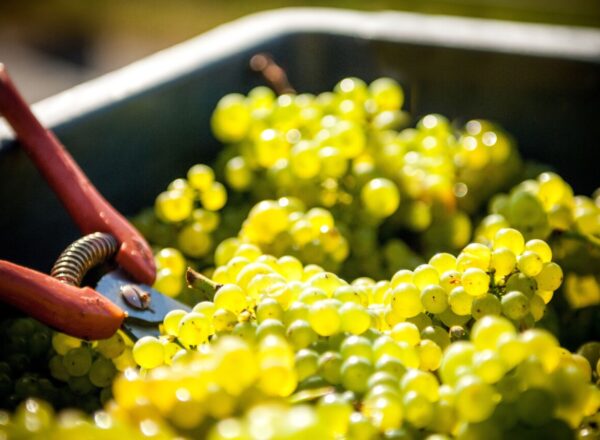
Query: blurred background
{"points": [[51, 45]]}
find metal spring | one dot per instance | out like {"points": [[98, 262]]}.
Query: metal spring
{"points": [[82, 255]]}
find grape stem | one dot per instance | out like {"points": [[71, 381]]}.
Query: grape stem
{"points": [[273, 74], [207, 287]]}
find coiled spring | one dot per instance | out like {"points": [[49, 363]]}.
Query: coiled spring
{"points": [[82, 255]]}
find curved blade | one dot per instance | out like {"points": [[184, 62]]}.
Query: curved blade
{"points": [[143, 314]]}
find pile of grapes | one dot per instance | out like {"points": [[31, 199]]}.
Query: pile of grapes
{"points": [[351, 277]]}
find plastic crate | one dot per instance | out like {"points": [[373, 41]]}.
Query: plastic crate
{"points": [[136, 129]]}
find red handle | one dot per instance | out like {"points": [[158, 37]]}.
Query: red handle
{"points": [[77, 311], [90, 211]]}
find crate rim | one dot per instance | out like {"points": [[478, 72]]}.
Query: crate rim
{"points": [[477, 34]]}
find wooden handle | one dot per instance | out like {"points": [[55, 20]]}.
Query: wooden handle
{"points": [[77, 311], [90, 211]]}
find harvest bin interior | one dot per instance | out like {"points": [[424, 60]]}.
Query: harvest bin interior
{"points": [[135, 130]]}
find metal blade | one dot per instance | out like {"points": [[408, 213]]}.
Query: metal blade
{"points": [[146, 307]]}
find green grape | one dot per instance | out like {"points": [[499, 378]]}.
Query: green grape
{"points": [[111, 347], [304, 160], [525, 208], [333, 163], [406, 300], [474, 255], [541, 248], [451, 319], [238, 173], [355, 372], [231, 297], [354, 318], [102, 372], [336, 411], [391, 365], [148, 352], [430, 355], [324, 317], [173, 206], [80, 385], [550, 277], [306, 363], [224, 320], [443, 262], [380, 197], [418, 410], [385, 412], [387, 94], [171, 258], [434, 299], [57, 368], [489, 366], [475, 281], [515, 305], [487, 331], [269, 327], [484, 305], [194, 240], [78, 361], [349, 137], [521, 283], [214, 197], [208, 219], [231, 119], [356, 346], [436, 334], [300, 334], [172, 320], [510, 239], [352, 88], [168, 282], [360, 427], [503, 262], [326, 281], [349, 294], [421, 382], [269, 308], [529, 263], [406, 332], [460, 301], [475, 400], [450, 280], [270, 147], [193, 330], [425, 275], [170, 350], [207, 308], [63, 343], [537, 307], [330, 365], [591, 351]]}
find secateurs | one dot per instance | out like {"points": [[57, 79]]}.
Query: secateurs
{"points": [[57, 300]]}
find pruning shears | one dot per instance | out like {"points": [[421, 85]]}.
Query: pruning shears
{"points": [[122, 298]]}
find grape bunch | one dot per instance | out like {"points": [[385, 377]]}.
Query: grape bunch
{"points": [[546, 208], [283, 227], [338, 290], [66, 371], [347, 151], [342, 150]]}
